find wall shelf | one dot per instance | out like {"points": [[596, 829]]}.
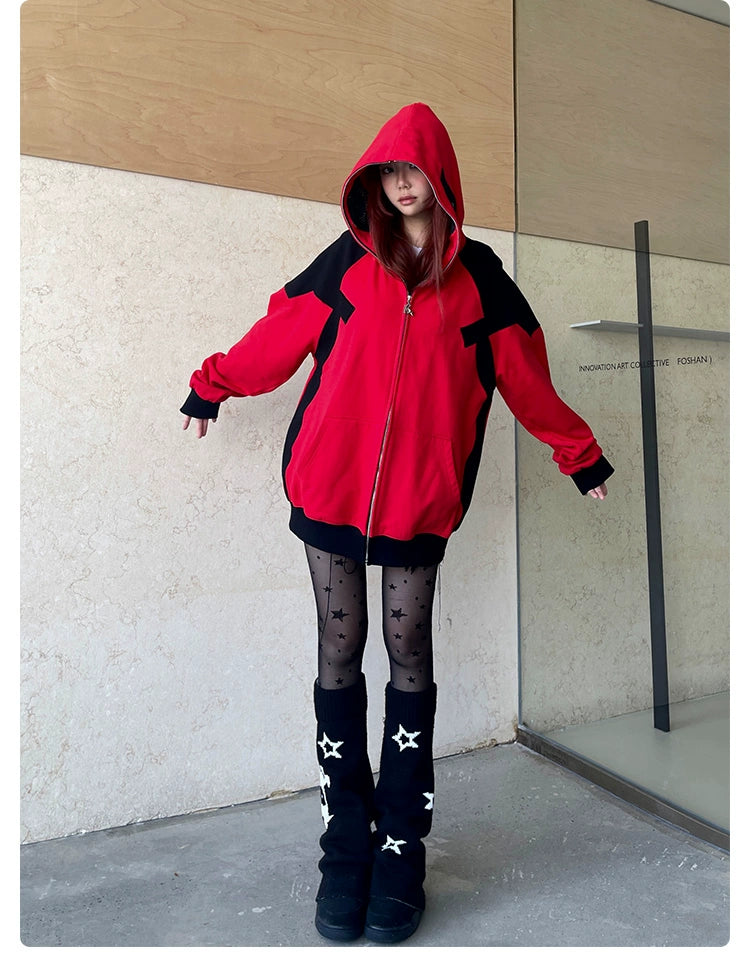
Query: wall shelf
{"points": [[675, 332]]}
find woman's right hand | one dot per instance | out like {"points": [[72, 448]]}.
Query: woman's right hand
{"points": [[201, 425]]}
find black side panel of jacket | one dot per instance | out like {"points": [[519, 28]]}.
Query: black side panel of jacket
{"points": [[323, 277]]}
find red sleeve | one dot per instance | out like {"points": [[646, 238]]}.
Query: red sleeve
{"points": [[269, 354], [524, 381]]}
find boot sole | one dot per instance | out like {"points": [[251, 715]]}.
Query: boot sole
{"points": [[340, 934], [377, 934], [337, 933]]}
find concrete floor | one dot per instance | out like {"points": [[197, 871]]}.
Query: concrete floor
{"points": [[523, 853], [688, 766]]}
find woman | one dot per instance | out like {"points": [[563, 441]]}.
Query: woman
{"points": [[411, 327]]}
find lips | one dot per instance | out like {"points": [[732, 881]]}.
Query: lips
{"points": [[406, 200]]}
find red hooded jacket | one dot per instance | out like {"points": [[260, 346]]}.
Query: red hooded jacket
{"points": [[383, 450]]}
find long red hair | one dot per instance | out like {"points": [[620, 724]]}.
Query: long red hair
{"points": [[391, 245]]}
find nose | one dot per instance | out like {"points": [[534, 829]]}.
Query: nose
{"points": [[403, 175]]}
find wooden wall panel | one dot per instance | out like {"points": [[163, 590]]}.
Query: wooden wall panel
{"points": [[623, 115], [279, 97]]}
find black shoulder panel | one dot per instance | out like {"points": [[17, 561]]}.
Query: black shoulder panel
{"points": [[325, 274], [503, 303]]}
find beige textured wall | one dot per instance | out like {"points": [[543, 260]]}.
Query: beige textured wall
{"points": [[585, 640], [167, 619]]}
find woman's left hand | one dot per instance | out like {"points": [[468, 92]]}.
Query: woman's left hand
{"points": [[599, 492]]}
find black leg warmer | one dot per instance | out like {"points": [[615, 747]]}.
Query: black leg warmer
{"points": [[346, 793], [403, 805]]}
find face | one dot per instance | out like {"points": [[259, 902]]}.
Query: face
{"points": [[407, 188]]}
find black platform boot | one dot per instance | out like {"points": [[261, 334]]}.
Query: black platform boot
{"points": [[346, 795], [403, 816]]}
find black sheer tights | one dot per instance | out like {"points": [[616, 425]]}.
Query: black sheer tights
{"points": [[340, 587]]}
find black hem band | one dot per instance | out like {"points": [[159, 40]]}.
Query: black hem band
{"points": [[424, 550]]}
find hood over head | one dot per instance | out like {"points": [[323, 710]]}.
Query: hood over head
{"points": [[414, 135]]}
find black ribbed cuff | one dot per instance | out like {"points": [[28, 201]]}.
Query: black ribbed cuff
{"points": [[196, 406], [593, 476], [337, 704], [410, 707]]}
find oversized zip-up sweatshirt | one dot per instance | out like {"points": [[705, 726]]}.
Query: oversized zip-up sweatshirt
{"points": [[383, 450]]}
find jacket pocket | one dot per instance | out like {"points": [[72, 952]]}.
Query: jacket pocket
{"points": [[418, 490], [330, 475]]}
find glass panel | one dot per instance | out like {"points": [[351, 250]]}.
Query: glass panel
{"points": [[585, 652]]}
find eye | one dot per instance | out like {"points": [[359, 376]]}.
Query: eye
{"points": [[386, 170]]}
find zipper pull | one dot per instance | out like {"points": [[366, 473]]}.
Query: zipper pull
{"points": [[407, 307]]}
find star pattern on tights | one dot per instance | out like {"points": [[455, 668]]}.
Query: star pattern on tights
{"points": [[406, 740], [339, 615], [392, 845], [398, 614], [329, 748]]}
